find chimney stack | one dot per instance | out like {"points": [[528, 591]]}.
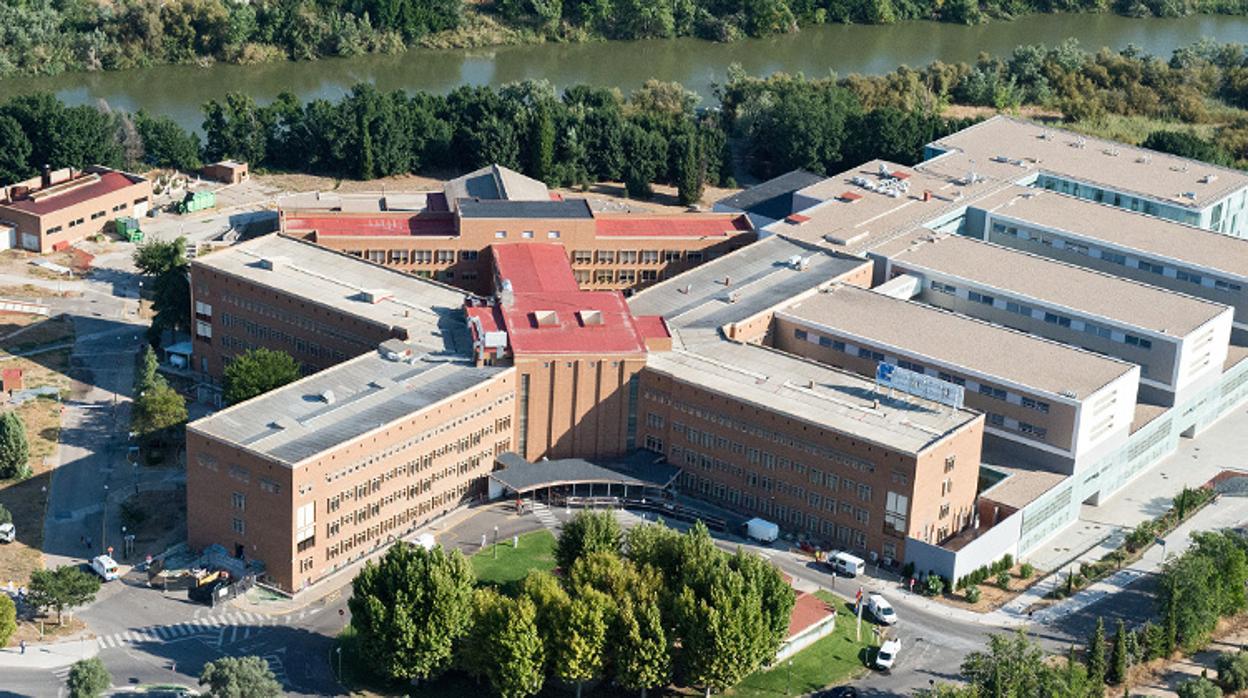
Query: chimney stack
{"points": [[46, 180], [927, 194]]}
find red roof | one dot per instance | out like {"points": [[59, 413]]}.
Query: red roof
{"points": [[808, 609], [11, 374], [652, 326], [534, 267], [796, 218], [581, 322], [108, 183], [682, 225], [335, 225]]}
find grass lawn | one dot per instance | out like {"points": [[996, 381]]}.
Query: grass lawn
{"points": [[832, 660], [536, 552]]}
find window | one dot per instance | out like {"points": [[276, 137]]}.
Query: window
{"points": [[1017, 309], [140, 200], [864, 492], [605, 256], [98, 214], [582, 257], [239, 501], [53, 230], [1152, 268], [270, 486], [649, 275], [950, 378], [869, 354], [604, 276], [446, 256], [910, 366], [203, 309], [305, 522], [944, 288], [1114, 258], [627, 276], [800, 334], [950, 462], [694, 257], [500, 234], [1037, 405], [1032, 430], [399, 256], [1059, 320], [671, 256], [946, 487], [1227, 286], [468, 255], [239, 527], [1189, 277], [628, 256], [1097, 330], [996, 420], [977, 297], [527, 235], [995, 393], [944, 512], [649, 256], [552, 235], [1138, 342]]}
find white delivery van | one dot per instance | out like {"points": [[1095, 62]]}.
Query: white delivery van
{"points": [[887, 654], [762, 530], [847, 565], [104, 566], [881, 609]]}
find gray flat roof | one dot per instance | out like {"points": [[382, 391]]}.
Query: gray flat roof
{"points": [[495, 182], [429, 312], [839, 401], [1011, 148], [1149, 236], [295, 422], [948, 338], [760, 276], [774, 198], [1119, 301], [643, 469]]}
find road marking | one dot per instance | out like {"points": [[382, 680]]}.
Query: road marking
{"points": [[221, 637]]}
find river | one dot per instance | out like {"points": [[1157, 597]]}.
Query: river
{"points": [[178, 91]]}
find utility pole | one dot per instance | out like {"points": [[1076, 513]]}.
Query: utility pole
{"points": [[104, 522]]}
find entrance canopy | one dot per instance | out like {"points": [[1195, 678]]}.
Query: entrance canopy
{"points": [[642, 469]]}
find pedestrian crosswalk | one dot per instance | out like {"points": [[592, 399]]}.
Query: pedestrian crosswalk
{"points": [[228, 627], [276, 666], [544, 516]]}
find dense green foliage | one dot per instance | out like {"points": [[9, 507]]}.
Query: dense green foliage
{"points": [[1233, 671], [14, 448], [257, 371], [1202, 585], [588, 532], [409, 609], [8, 619], [62, 588], [51, 36], [166, 272], [1199, 687], [88, 678], [239, 677]]}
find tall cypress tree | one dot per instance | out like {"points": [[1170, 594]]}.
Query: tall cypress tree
{"points": [[1096, 654], [1118, 659], [14, 450]]}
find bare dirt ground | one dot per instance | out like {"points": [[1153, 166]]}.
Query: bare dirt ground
{"points": [[302, 183], [1162, 677], [965, 111]]}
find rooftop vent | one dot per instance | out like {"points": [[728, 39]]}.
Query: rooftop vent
{"points": [[394, 350], [327, 396], [733, 296], [1069, 393], [1144, 159], [374, 295], [273, 263], [1112, 152], [590, 317], [1209, 179], [685, 289], [884, 171], [546, 318]]}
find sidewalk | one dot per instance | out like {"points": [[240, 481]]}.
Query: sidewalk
{"points": [[1224, 513], [50, 656]]}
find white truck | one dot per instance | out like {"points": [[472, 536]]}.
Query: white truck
{"points": [[104, 566], [762, 530]]}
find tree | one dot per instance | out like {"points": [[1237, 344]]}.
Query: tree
{"points": [[1097, 668], [690, 173], [1012, 666], [166, 144], [157, 409], [947, 690], [505, 645], [1118, 657], [88, 678], [721, 631], [410, 608], [145, 375], [62, 588], [165, 264], [1068, 680], [8, 619], [641, 651], [1188, 598], [235, 128], [1199, 687], [14, 450], [1232, 669], [5, 517], [15, 151], [587, 532], [581, 639], [1187, 144], [257, 371], [240, 677]]}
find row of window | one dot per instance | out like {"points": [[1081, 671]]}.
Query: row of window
{"points": [[94, 216], [872, 355], [1048, 317], [262, 309], [1185, 275], [269, 334], [583, 257], [1031, 430]]}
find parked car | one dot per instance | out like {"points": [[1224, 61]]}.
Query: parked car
{"points": [[887, 654], [8, 533], [104, 566], [881, 609]]}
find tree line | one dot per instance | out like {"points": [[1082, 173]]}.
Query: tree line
{"points": [[52, 36], [641, 610], [659, 133]]}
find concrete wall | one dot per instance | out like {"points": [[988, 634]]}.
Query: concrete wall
{"points": [[989, 547]]}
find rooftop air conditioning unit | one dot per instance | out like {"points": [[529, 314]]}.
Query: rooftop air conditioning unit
{"points": [[273, 263]]}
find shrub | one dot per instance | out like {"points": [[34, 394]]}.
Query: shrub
{"points": [[1026, 570], [908, 570], [972, 594], [1003, 580], [1233, 671], [935, 585], [1008, 560], [1140, 536], [1199, 687]]}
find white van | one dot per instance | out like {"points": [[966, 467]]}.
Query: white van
{"points": [[104, 566], [847, 565]]}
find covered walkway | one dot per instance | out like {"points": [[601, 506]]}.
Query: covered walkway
{"points": [[641, 475]]}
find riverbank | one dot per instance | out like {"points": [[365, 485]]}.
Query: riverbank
{"points": [[179, 91]]}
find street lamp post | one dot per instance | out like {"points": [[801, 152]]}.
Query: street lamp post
{"points": [[339, 651], [104, 522], [496, 542]]}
